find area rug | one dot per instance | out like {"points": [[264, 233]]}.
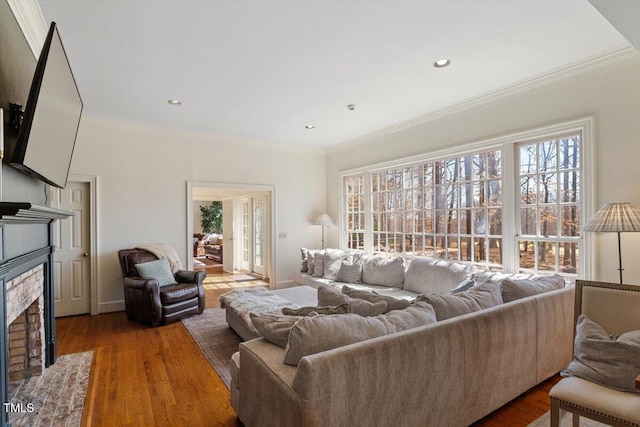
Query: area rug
{"points": [[565, 421], [55, 398], [216, 340]]}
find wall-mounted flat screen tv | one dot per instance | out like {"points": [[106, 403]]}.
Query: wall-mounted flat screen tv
{"points": [[47, 137]]}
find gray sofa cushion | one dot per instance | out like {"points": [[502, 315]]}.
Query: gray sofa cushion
{"points": [[514, 289], [305, 311], [159, 270], [332, 262], [312, 335], [603, 359], [477, 298], [318, 264], [329, 296], [377, 270], [274, 327], [371, 296], [435, 276]]}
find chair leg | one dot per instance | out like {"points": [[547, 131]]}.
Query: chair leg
{"points": [[555, 412], [576, 420]]}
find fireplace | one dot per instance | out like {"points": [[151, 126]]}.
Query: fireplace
{"points": [[27, 331]]}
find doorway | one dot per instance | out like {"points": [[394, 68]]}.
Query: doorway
{"points": [[248, 225], [75, 241]]}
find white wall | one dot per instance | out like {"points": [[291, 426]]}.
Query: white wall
{"points": [[613, 98], [143, 173]]}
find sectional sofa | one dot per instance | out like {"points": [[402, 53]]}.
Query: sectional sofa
{"points": [[449, 373]]}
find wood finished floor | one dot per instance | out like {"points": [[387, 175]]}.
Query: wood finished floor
{"points": [[144, 376]]}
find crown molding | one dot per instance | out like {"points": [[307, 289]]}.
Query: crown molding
{"points": [[31, 22], [615, 58]]}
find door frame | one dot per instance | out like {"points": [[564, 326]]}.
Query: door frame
{"points": [[271, 202], [92, 180]]}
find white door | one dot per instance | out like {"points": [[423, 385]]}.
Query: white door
{"points": [[71, 267], [259, 211], [245, 235]]}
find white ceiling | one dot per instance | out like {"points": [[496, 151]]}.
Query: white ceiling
{"points": [[262, 70]]}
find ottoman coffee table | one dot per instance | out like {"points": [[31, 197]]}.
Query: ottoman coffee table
{"points": [[239, 303]]}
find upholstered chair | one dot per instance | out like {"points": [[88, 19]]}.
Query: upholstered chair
{"points": [[616, 308], [146, 301]]}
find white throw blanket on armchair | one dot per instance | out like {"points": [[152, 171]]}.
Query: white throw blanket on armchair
{"points": [[164, 251]]}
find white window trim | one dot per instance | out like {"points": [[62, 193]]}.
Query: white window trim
{"points": [[506, 143]]}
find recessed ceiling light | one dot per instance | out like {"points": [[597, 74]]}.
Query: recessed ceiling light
{"points": [[309, 127], [174, 102], [441, 63]]}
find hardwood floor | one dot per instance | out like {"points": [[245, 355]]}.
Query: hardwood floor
{"points": [[143, 376]]}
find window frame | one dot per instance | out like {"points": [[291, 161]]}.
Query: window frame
{"points": [[508, 144]]}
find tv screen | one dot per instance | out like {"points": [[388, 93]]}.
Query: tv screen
{"points": [[52, 115]]}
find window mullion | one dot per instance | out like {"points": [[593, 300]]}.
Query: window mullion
{"points": [[368, 215], [510, 220]]}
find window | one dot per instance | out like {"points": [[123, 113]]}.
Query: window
{"points": [[514, 203], [550, 221]]}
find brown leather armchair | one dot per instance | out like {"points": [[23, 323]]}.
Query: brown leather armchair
{"points": [[145, 301]]}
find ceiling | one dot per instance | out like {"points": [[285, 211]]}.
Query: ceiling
{"points": [[262, 70]]}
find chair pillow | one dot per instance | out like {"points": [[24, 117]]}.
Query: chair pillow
{"points": [[349, 273], [313, 335], [330, 296], [159, 270], [381, 271], [274, 327], [514, 289], [435, 276], [452, 305], [306, 311], [610, 361], [371, 296]]}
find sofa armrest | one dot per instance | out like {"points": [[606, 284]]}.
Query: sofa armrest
{"points": [[150, 285]]}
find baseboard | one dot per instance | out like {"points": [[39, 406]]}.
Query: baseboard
{"points": [[285, 284], [110, 307]]}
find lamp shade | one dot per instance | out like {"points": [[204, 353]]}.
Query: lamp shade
{"points": [[615, 217], [322, 219]]}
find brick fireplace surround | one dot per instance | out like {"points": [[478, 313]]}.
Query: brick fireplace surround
{"points": [[27, 314]]}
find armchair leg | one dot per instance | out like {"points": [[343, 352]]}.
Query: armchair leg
{"points": [[576, 420], [555, 412]]}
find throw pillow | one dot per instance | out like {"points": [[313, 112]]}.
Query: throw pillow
{"points": [[603, 359], [514, 289], [349, 273], [477, 298], [330, 296], [417, 314], [305, 311], [318, 264], [158, 270], [310, 257], [381, 271], [371, 296], [435, 276], [274, 327], [465, 285], [333, 261], [304, 255]]}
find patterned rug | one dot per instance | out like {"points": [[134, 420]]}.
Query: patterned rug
{"points": [[55, 398], [216, 340], [565, 421]]}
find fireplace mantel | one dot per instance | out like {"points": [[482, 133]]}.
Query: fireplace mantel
{"points": [[26, 241]]}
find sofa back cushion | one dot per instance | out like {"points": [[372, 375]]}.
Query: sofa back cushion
{"points": [[477, 298], [311, 335], [435, 276], [377, 270], [514, 289], [333, 261]]}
